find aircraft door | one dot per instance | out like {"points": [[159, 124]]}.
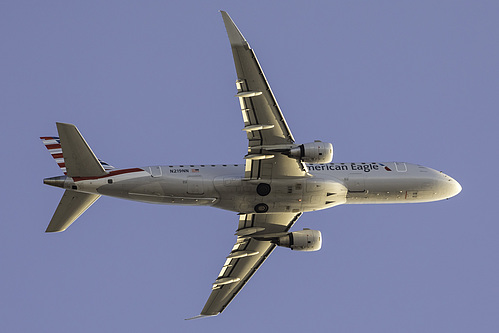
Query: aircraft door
{"points": [[155, 171], [400, 166]]}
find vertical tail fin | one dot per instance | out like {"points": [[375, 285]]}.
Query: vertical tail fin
{"points": [[79, 159], [82, 161]]}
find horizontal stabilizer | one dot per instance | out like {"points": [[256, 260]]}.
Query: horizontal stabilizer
{"points": [[79, 159], [71, 206]]}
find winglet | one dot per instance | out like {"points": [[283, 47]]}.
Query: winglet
{"points": [[236, 38], [201, 316]]}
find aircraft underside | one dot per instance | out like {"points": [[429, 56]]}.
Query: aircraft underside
{"points": [[279, 180]]}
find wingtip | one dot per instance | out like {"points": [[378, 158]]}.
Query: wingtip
{"points": [[201, 316], [47, 231], [236, 38]]}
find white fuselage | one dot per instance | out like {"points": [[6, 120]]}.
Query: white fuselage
{"points": [[224, 186]]}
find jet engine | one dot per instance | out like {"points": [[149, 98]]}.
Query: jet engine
{"points": [[303, 240], [316, 152]]}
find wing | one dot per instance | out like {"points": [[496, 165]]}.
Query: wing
{"points": [[247, 255], [267, 130]]}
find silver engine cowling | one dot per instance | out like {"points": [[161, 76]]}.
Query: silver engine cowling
{"points": [[303, 240], [316, 152]]}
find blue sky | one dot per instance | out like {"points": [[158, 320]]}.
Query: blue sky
{"points": [[153, 83]]}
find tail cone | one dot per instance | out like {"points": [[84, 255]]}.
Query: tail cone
{"points": [[55, 181]]}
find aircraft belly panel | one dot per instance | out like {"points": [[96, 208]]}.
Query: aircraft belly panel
{"points": [[285, 195]]}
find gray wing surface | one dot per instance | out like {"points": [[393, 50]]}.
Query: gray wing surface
{"points": [[264, 122], [247, 255]]}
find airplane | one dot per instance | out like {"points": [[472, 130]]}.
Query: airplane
{"points": [[278, 181]]}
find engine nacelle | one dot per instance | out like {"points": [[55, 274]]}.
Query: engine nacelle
{"points": [[303, 240], [314, 152]]}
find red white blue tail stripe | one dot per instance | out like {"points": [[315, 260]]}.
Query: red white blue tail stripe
{"points": [[106, 165], [53, 144]]}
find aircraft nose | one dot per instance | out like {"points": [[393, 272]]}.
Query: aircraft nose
{"points": [[450, 186], [455, 187]]}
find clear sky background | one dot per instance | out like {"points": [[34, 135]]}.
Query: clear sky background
{"points": [[152, 82]]}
